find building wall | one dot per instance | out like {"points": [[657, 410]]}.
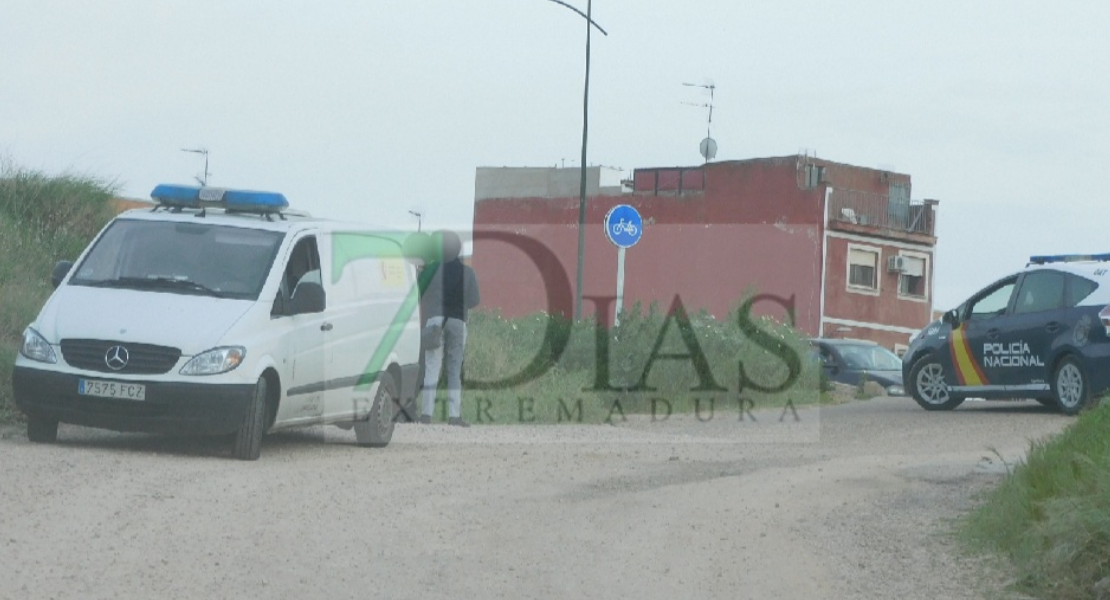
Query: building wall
{"points": [[751, 231], [710, 236], [884, 316], [540, 182]]}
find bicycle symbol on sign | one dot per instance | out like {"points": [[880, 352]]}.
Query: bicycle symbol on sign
{"points": [[625, 227]]}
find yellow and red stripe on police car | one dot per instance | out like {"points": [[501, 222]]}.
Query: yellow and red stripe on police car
{"points": [[967, 370]]}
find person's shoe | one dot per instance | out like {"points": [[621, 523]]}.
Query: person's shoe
{"points": [[425, 420], [457, 422]]}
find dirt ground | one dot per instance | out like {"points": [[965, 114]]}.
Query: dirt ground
{"points": [[847, 501]]}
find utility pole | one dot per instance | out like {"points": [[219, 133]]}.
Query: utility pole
{"points": [[590, 24]]}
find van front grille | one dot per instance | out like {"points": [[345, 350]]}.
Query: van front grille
{"points": [[129, 358]]}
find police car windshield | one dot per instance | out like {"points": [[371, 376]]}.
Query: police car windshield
{"points": [[180, 258], [875, 358]]}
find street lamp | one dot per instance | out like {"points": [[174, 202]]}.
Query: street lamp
{"points": [[585, 127], [419, 218]]}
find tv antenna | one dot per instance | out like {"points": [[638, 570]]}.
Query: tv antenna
{"points": [[708, 146], [203, 181]]}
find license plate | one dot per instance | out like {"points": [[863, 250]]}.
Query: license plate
{"points": [[111, 389]]}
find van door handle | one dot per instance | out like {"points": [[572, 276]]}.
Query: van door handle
{"points": [[992, 333], [1053, 327], [325, 327]]}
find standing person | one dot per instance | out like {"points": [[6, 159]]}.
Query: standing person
{"points": [[452, 291]]}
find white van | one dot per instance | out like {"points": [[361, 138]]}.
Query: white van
{"points": [[222, 312]]}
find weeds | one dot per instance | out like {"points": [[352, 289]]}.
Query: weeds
{"points": [[43, 219], [650, 363], [1051, 516]]}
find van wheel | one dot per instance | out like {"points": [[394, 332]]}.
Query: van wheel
{"points": [[1069, 386], [41, 430], [377, 429], [928, 386], [248, 440]]}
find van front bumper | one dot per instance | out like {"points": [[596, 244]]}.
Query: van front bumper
{"points": [[172, 408]]}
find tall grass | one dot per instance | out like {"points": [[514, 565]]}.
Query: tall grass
{"points": [[654, 362], [43, 219], [1051, 516]]}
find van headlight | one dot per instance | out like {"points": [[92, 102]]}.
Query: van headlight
{"points": [[215, 361], [35, 347]]}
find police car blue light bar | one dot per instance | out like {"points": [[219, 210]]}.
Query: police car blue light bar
{"points": [[187, 196], [1054, 258]]}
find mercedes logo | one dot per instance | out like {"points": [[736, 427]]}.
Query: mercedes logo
{"points": [[116, 358]]}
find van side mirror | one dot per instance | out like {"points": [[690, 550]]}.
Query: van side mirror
{"points": [[307, 298], [60, 271]]}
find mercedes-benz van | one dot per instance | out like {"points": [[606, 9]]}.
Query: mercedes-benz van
{"points": [[223, 312]]}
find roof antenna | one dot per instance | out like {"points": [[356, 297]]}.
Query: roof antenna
{"points": [[708, 146], [203, 181]]}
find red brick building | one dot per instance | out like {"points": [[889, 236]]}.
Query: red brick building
{"points": [[845, 245]]}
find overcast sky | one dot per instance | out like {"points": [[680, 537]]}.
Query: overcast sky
{"points": [[366, 110]]}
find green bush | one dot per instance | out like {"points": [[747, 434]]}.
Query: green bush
{"points": [[1051, 516], [43, 219], [651, 358]]}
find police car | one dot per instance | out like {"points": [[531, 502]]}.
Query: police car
{"points": [[1042, 333]]}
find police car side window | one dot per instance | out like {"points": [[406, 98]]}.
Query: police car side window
{"points": [[1040, 290], [992, 304], [1078, 288]]}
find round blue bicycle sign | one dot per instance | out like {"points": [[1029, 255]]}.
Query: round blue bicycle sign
{"points": [[623, 226]]}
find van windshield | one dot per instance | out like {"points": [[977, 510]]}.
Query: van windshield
{"points": [[180, 258]]}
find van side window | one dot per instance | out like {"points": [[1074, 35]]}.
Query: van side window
{"points": [[304, 265]]}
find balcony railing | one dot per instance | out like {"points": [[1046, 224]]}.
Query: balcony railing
{"points": [[881, 212]]}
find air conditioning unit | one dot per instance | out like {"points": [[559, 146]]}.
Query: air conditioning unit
{"points": [[896, 264]]}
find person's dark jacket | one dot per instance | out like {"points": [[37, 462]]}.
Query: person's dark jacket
{"points": [[451, 290]]}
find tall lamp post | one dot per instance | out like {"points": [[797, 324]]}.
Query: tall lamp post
{"points": [[585, 128]]}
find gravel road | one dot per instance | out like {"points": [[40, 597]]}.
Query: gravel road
{"points": [[850, 501]]}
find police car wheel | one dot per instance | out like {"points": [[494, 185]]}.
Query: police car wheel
{"points": [[248, 440], [377, 429], [928, 387], [1069, 386]]}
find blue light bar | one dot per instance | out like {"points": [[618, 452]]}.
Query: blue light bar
{"points": [[1054, 258], [176, 195], [187, 196]]}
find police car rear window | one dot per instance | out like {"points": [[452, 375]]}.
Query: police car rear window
{"points": [[1078, 289], [1040, 290]]}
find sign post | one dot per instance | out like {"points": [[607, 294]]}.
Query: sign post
{"points": [[623, 227]]}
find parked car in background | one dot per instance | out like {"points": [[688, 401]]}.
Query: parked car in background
{"points": [[857, 361]]}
